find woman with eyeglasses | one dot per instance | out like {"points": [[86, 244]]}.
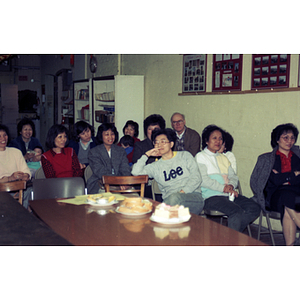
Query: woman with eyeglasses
{"points": [[275, 180], [176, 173]]}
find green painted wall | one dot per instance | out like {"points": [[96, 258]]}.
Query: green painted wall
{"points": [[249, 117]]}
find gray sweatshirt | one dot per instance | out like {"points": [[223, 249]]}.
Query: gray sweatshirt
{"points": [[178, 173]]}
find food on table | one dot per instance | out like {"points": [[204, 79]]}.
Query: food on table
{"points": [[135, 205], [168, 212], [99, 198]]}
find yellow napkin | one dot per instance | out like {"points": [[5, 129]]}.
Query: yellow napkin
{"points": [[79, 200]]}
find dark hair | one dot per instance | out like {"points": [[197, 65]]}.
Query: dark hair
{"points": [[23, 122], [104, 127], [228, 142], [135, 125], [80, 127], [127, 140], [53, 132], [39, 147], [168, 132], [207, 131], [280, 129], [154, 120], [5, 128]]}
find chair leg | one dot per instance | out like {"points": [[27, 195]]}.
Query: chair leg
{"points": [[270, 229], [249, 230], [259, 224]]}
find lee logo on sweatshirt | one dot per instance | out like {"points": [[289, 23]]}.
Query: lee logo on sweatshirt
{"points": [[173, 173]]}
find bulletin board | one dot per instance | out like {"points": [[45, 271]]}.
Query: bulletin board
{"points": [[270, 71], [227, 72], [194, 73]]}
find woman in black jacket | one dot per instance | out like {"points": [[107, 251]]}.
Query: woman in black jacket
{"points": [[275, 180]]}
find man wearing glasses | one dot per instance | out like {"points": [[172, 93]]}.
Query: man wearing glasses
{"points": [[187, 138]]}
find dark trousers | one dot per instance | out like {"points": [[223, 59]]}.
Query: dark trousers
{"points": [[240, 212]]}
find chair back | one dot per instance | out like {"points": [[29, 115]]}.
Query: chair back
{"points": [[141, 180], [14, 186], [39, 174], [57, 188], [87, 173], [155, 189]]}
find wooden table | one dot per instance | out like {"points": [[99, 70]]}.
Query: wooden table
{"points": [[21, 228], [90, 225]]}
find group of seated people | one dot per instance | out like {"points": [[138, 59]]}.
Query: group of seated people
{"points": [[186, 175]]}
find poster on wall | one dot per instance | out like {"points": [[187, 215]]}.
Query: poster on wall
{"points": [[194, 73], [270, 71], [227, 72]]}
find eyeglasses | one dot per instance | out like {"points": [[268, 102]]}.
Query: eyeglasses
{"points": [[162, 142], [177, 122], [286, 138]]}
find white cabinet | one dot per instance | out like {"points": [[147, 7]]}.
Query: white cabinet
{"points": [[117, 99]]}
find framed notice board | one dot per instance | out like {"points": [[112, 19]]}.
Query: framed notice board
{"points": [[194, 73], [270, 71], [227, 72]]}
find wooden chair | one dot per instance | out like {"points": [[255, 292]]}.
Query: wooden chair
{"points": [[125, 180], [57, 188], [39, 174], [13, 186]]}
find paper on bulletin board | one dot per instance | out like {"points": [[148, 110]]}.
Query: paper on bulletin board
{"points": [[227, 80], [217, 79]]}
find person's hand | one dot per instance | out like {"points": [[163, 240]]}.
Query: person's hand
{"points": [[82, 166], [297, 173], [19, 176], [228, 188], [152, 152], [274, 171], [124, 187], [29, 156], [235, 193]]}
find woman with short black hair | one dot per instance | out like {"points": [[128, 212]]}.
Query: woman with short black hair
{"points": [[107, 158], [12, 163], [219, 182], [26, 140], [275, 180], [59, 160], [82, 141]]}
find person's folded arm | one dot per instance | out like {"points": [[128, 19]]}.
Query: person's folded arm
{"points": [[207, 181]]}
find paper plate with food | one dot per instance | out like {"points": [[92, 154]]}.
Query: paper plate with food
{"points": [[170, 215], [134, 206], [101, 200]]}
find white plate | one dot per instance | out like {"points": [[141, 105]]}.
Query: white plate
{"points": [[105, 204], [132, 214], [169, 221]]}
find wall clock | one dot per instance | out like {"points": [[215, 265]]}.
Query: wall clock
{"points": [[93, 64]]}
